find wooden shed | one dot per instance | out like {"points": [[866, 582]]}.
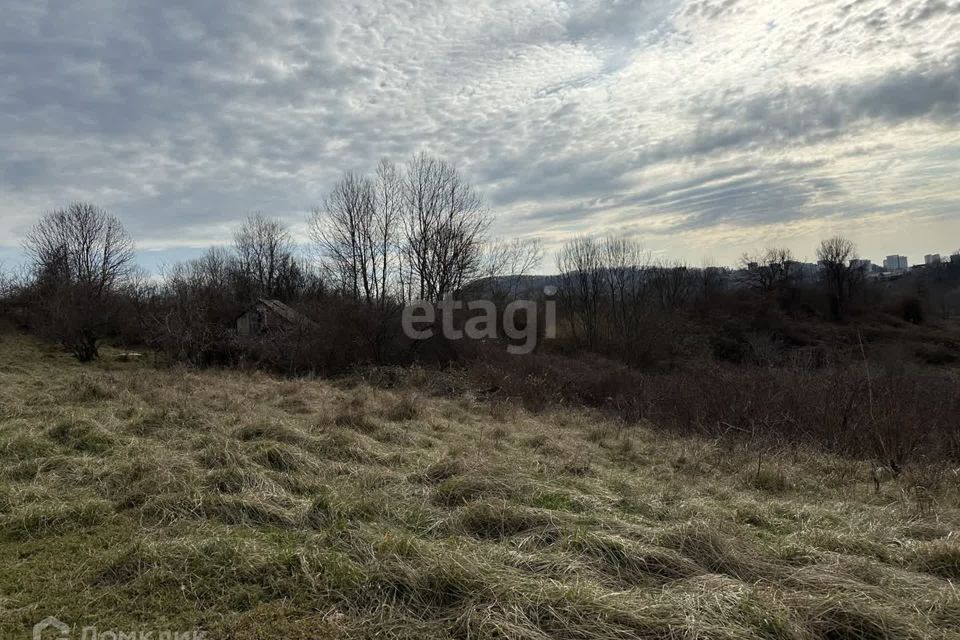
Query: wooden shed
{"points": [[270, 315]]}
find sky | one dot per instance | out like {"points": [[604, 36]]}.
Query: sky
{"points": [[704, 128]]}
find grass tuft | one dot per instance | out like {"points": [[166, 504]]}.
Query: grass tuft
{"points": [[459, 490], [404, 409], [281, 457], [269, 431], [501, 520], [81, 435], [939, 557], [632, 562], [44, 520], [703, 543], [441, 470], [84, 388]]}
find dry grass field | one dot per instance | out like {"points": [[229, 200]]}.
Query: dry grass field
{"points": [[137, 497]]}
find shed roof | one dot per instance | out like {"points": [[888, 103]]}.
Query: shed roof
{"points": [[286, 312]]}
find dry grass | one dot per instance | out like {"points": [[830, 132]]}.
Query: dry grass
{"points": [[255, 507]]}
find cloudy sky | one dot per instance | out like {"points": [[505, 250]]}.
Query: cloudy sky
{"points": [[704, 127]]}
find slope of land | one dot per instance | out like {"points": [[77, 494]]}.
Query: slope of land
{"points": [[135, 497]]}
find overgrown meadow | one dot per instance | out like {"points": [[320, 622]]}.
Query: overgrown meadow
{"points": [[135, 495]]}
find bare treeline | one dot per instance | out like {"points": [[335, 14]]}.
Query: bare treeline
{"points": [[615, 298], [417, 231], [421, 231]]}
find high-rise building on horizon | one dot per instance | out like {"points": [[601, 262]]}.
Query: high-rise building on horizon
{"points": [[896, 263]]}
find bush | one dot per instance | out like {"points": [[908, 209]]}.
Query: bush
{"points": [[912, 310], [839, 408]]}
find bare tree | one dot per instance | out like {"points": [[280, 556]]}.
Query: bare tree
{"points": [[355, 232], [507, 262], [195, 305], [625, 264], [711, 281], [581, 291], [81, 245], [388, 212], [265, 261], [445, 226], [615, 301], [6, 292], [671, 284], [338, 228], [212, 271], [6, 282], [417, 233], [834, 256], [79, 256], [772, 270]]}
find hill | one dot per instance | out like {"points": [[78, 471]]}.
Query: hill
{"points": [[135, 497]]}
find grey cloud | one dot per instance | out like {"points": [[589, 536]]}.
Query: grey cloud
{"points": [[743, 202], [886, 19], [622, 20], [153, 71], [744, 196], [897, 14], [615, 201], [738, 196], [931, 9], [711, 9], [732, 123], [914, 93], [578, 175], [816, 113], [18, 173]]}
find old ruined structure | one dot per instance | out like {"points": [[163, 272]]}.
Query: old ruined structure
{"points": [[270, 315]]}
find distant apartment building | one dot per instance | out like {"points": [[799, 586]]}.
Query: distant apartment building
{"points": [[931, 259], [861, 264], [896, 263]]}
